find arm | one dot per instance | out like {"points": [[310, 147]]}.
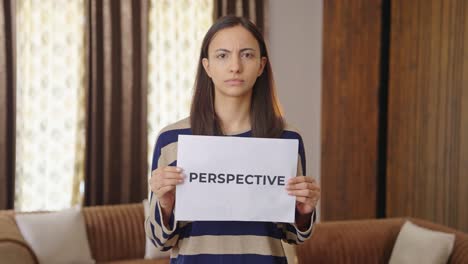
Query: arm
{"points": [[307, 193], [293, 234], [160, 226]]}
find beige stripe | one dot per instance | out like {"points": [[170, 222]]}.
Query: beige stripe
{"points": [[169, 152], [290, 235], [299, 166], [289, 127], [158, 229], [295, 236], [181, 124], [175, 251], [168, 155], [231, 245]]}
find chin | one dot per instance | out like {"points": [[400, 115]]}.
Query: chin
{"points": [[235, 92]]}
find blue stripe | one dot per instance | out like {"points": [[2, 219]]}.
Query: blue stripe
{"points": [[153, 241], [165, 248], [294, 135], [171, 224], [165, 139], [156, 239], [228, 259], [230, 228], [291, 228], [160, 248]]}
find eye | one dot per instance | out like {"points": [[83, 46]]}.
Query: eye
{"points": [[248, 55], [221, 56]]}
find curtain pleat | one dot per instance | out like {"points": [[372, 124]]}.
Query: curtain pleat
{"points": [[7, 103], [116, 146], [254, 10]]}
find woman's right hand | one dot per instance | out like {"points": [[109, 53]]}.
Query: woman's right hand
{"points": [[163, 182]]}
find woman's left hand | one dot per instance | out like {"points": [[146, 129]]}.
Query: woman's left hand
{"points": [[307, 192]]}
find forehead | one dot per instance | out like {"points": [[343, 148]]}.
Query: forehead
{"points": [[233, 38]]}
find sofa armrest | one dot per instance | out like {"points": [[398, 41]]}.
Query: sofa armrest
{"points": [[368, 241], [13, 247], [356, 241], [460, 251]]}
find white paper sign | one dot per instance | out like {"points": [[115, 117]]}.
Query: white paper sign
{"points": [[235, 179]]}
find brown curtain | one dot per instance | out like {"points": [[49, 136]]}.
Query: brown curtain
{"points": [[116, 154], [7, 103], [251, 9]]}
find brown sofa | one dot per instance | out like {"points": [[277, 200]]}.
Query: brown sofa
{"points": [[367, 241], [116, 235]]}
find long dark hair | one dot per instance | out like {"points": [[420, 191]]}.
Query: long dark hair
{"points": [[265, 113]]}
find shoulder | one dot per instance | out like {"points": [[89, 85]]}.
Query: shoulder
{"points": [[170, 133], [291, 132], [182, 124]]}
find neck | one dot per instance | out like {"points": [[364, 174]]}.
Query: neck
{"points": [[234, 113]]}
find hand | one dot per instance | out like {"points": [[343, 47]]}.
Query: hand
{"points": [[163, 182], [307, 193]]}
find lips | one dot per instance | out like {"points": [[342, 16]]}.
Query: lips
{"points": [[234, 82]]}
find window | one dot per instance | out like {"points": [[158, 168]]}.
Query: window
{"points": [[176, 31], [51, 99], [50, 132]]}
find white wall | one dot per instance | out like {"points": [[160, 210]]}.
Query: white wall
{"points": [[294, 34]]}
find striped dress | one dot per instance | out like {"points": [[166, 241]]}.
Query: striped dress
{"points": [[218, 241]]}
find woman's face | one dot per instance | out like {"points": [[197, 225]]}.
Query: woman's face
{"points": [[234, 62]]}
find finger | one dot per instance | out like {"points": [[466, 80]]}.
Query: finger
{"points": [[172, 169], [163, 182], [170, 182], [154, 187], [157, 171], [167, 168], [304, 193], [303, 185], [299, 179], [171, 175]]}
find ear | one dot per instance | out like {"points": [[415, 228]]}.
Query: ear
{"points": [[263, 62], [206, 65]]}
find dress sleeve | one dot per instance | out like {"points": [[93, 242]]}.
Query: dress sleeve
{"points": [[163, 235], [291, 233]]}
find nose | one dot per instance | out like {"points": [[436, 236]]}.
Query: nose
{"points": [[236, 64]]}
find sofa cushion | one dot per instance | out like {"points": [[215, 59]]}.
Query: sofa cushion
{"points": [[56, 237], [151, 252], [416, 244]]}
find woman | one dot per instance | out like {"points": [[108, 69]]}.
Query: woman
{"points": [[234, 95]]}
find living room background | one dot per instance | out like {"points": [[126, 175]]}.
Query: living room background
{"points": [[51, 90]]}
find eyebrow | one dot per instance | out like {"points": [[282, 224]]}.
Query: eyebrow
{"points": [[242, 50]]}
